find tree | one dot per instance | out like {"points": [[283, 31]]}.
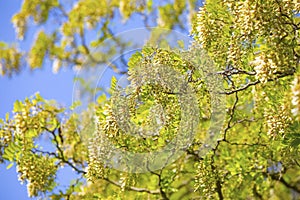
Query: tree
{"points": [[218, 120]]}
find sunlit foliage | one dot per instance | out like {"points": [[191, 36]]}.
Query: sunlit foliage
{"points": [[254, 46]]}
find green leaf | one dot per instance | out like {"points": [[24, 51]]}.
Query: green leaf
{"points": [[38, 97], [11, 151], [147, 50], [180, 44], [10, 165], [101, 99], [295, 142], [31, 133], [3, 44], [8, 155], [161, 141], [135, 59], [7, 117], [17, 106], [113, 83], [149, 5], [75, 104]]}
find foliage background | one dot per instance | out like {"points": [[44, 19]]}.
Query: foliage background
{"points": [[256, 48]]}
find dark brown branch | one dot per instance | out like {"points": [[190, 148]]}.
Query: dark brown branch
{"points": [[219, 189], [162, 192], [285, 183], [232, 111], [132, 188], [297, 163], [279, 75], [241, 88], [233, 71], [218, 181], [61, 155]]}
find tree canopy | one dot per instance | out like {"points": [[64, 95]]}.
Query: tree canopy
{"points": [[210, 108]]}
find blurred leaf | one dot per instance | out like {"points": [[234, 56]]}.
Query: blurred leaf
{"points": [[10, 165]]}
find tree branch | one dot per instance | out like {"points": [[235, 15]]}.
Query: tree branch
{"points": [[132, 188]]}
